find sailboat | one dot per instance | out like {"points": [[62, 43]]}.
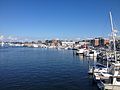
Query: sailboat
{"points": [[111, 79]]}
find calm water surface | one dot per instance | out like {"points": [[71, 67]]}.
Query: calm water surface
{"points": [[43, 69]]}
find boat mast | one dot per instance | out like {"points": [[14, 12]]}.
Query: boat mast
{"points": [[113, 36]]}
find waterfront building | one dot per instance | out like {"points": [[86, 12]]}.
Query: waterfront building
{"points": [[96, 42], [99, 42], [68, 43], [106, 42]]}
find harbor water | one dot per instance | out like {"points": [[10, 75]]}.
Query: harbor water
{"points": [[43, 69]]}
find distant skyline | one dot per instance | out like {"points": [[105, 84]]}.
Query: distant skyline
{"points": [[47, 19]]}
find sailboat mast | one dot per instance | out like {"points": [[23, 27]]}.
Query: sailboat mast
{"points": [[113, 36]]}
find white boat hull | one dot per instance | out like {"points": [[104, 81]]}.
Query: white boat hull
{"points": [[103, 86]]}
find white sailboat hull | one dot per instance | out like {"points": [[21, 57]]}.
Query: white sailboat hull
{"points": [[103, 86]]}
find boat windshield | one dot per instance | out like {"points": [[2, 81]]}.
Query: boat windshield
{"points": [[107, 81], [91, 52], [100, 66]]}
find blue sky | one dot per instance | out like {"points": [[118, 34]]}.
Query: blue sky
{"points": [[58, 18]]}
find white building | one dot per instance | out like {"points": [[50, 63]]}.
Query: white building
{"points": [[68, 43]]}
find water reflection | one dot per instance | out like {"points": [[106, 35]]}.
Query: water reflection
{"points": [[81, 57]]}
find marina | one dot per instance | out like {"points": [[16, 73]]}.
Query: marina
{"points": [[34, 66], [59, 45]]}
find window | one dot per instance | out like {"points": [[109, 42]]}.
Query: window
{"points": [[118, 79]]}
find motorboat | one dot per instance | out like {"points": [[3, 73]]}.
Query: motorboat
{"points": [[93, 53], [96, 68], [80, 51], [111, 79]]}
